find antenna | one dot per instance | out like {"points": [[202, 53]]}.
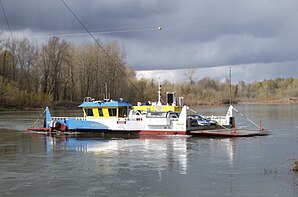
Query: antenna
{"points": [[106, 89]]}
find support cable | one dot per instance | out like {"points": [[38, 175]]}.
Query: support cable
{"points": [[38, 118], [247, 118]]}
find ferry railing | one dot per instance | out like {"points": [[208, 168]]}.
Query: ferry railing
{"points": [[66, 118]]}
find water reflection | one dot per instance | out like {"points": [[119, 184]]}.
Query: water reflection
{"points": [[91, 160], [152, 152], [216, 148], [159, 152]]}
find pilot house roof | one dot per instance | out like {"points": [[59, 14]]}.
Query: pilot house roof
{"points": [[110, 103]]}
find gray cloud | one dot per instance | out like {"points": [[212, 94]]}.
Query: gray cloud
{"points": [[194, 32]]}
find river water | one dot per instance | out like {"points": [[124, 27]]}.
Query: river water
{"points": [[101, 165]]}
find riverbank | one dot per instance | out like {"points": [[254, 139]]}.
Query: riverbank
{"points": [[60, 105], [214, 102], [273, 101]]}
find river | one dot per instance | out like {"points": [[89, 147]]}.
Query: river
{"points": [[102, 165]]}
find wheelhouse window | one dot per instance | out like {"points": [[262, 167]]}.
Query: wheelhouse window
{"points": [[122, 112], [112, 111], [100, 113], [89, 112]]}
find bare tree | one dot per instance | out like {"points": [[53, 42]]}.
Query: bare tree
{"points": [[54, 56], [190, 73], [26, 58], [97, 69]]}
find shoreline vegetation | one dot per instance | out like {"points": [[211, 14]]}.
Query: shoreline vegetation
{"points": [[60, 74], [254, 102], [246, 101]]}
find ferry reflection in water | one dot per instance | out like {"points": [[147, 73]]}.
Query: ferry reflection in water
{"points": [[159, 152], [152, 152]]}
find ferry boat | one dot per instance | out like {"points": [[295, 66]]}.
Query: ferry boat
{"points": [[149, 118]]}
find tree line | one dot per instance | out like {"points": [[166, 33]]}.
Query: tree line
{"points": [[210, 91], [58, 71], [62, 73]]}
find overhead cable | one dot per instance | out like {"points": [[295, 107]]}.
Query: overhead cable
{"points": [[6, 19], [101, 46]]}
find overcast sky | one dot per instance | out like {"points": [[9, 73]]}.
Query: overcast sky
{"points": [[258, 38]]}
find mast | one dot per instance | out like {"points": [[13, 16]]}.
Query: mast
{"points": [[230, 85], [159, 95]]}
